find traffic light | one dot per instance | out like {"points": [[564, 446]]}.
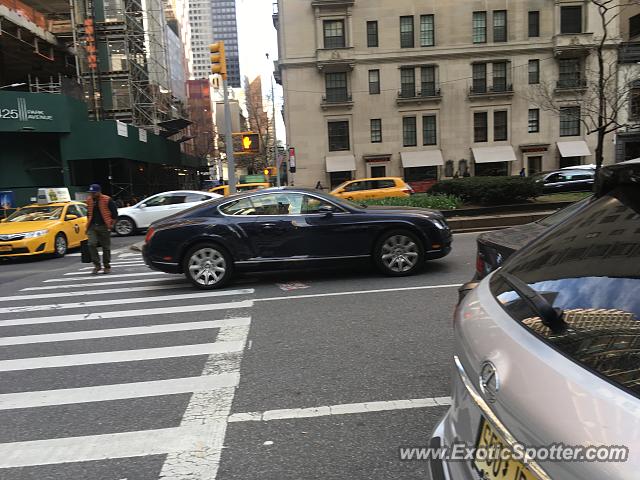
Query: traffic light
{"points": [[266, 172], [218, 59]]}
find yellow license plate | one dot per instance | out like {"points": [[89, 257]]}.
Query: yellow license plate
{"points": [[498, 469], [5, 248]]}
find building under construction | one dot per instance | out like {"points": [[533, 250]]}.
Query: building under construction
{"points": [[114, 56]]}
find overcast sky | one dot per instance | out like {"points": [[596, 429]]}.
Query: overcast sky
{"points": [[257, 38]]}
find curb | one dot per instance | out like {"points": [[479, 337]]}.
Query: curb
{"points": [[494, 222], [136, 247]]}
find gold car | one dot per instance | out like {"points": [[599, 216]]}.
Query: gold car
{"points": [[372, 188], [242, 187], [46, 228]]}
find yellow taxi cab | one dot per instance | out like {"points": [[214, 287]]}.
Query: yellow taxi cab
{"points": [[241, 187], [372, 188], [43, 228]]}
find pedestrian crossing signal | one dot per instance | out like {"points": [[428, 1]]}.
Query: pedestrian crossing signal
{"points": [[246, 143]]}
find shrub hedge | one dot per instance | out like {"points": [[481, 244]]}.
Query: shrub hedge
{"points": [[436, 202], [490, 190]]}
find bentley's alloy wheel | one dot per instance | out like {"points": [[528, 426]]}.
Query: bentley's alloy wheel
{"points": [[208, 267]]}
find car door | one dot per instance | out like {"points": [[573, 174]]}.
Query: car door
{"points": [[74, 229], [354, 190], [277, 231], [340, 233], [158, 207]]}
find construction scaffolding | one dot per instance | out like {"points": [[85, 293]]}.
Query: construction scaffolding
{"points": [[126, 75]]}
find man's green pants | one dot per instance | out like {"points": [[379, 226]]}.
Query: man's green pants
{"points": [[100, 235]]}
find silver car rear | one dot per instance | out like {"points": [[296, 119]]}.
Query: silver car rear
{"points": [[523, 378]]}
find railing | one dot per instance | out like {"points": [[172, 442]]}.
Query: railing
{"points": [[27, 12], [336, 98], [408, 95], [485, 90], [571, 83]]}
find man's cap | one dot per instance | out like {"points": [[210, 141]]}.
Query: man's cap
{"points": [[95, 188]]}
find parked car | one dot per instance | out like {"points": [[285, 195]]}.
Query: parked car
{"points": [[546, 347], [567, 180], [156, 207], [496, 246], [43, 228], [240, 187], [292, 227], [373, 188]]}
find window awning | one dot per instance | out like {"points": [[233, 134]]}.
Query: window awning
{"points": [[341, 163], [424, 158], [493, 154], [578, 148]]}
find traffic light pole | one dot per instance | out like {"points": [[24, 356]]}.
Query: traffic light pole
{"points": [[228, 140]]}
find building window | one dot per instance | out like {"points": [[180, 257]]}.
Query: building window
{"points": [[480, 133], [479, 27], [634, 26], [372, 34], [409, 134], [634, 103], [420, 174], [427, 35], [534, 165], [407, 82], [406, 32], [338, 178], [534, 24], [571, 19], [336, 84], [500, 26], [338, 136], [569, 121], [534, 72], [569, 72], [448, 168], [479, 77], [428, 81], [376, 130], [334, 34], [500, 77], [500, 126], [374, 82], [429, 130], [534, 120]]}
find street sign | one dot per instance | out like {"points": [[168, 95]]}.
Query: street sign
{"points": [[246, 143]]}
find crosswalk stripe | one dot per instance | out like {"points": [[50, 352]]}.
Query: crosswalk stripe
{"points": [[82, 293], [113, 445], [121, 391], [73, 254], [118, 264], [120, 301], [120, 356], [180, 281], [123, 332], [112, 275], [101, 276], [142, 312]]}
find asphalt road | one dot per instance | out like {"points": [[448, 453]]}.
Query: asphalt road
{"points": [[298, 375]]}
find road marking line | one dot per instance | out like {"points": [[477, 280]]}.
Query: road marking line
{"points": [[114, 445], [142, 312], [82, 293], [121, 391], [96, 277], [130, 254], [120, 301], [123, 332], [73, 254], [180, 281], [203, 406], [344, 409], [357, 292], [120, 356], [472, 233]]}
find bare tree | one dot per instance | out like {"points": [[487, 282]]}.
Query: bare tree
{"points": [[602, 94], [259, 122]]}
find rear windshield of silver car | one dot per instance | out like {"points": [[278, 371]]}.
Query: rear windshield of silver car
{"points": [[588, 266]]}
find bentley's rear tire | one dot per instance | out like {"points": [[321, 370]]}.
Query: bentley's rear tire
{"points": [[208, 266]]}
